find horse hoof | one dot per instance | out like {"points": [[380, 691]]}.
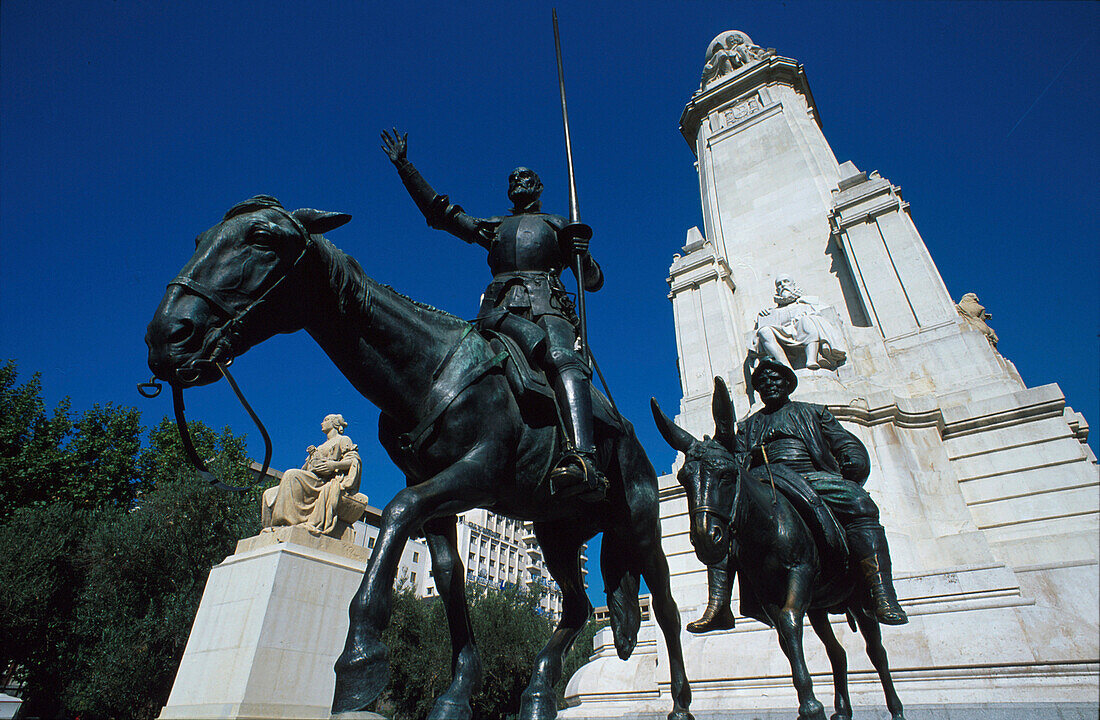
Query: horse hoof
{"points": [[812, 713], [361, 678], [680, 715], [841, 716], [450, 710], [538, 706]]}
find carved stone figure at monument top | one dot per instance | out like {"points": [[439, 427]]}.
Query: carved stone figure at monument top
{"points": [[729, 51], [798, 321], [323, 497], [975, 315]]}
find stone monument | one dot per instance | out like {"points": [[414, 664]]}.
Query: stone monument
{"points": [[987, 487], [323, 497], [273, 615]]}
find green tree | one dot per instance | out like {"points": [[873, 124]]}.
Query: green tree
{"points": [[32, 460], [39, 570], [105, 548], [509, 634]]}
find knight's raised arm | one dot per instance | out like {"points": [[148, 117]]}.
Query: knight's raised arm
{"points": [[437, 209]]}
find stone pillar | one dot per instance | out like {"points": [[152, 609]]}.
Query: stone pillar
{"points": [[272, 621]]}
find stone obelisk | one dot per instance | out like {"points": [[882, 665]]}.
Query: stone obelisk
{"points": [[989, 494]]}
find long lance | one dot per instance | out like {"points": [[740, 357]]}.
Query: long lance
{"points": [[575, 228]]}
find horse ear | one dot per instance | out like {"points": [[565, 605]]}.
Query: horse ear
{"points": [[725, 418], [318, 222], [673, 434]]}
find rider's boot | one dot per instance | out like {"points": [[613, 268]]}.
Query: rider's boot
{"points": [[874, 562], [576, 473], [718, 615]]}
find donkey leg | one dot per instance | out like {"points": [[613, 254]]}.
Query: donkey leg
{"points": [[788, 623], [655, 572], [819, 619], [466, 671], [362, 670], [872, 634], [561, 545]]}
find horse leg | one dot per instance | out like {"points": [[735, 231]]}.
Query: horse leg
{"points": [[655, 572], [872, 634], [362, 670], [561, 545], [447, 570], [819, 619], [788, 623]]}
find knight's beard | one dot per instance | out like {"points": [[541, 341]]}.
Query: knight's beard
{"points": [[786, 297], [525, 199]]}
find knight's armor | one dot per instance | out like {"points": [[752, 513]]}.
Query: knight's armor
{"points": [[527, 301]]}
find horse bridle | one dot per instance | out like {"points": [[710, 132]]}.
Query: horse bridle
{"points": [[726, 517], [223, 338]]}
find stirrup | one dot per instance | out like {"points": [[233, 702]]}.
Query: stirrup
{"points": [[576, 475]]}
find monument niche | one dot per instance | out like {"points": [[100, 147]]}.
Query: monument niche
{"points": [[986, 486], [451, 420]]}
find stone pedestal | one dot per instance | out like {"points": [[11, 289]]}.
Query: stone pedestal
{"points": [[272, 621], [989, 494]]}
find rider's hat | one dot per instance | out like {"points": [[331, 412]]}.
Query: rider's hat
{"points": [[770, 363]]}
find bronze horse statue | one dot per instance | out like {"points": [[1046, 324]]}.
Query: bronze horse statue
{"points": [[784, 572], [451, 422]]}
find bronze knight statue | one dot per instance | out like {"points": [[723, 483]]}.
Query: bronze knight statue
{"points": [[526, 300]]}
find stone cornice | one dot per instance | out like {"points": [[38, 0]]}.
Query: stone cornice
{"points": [[748, 78], [698, 267]]}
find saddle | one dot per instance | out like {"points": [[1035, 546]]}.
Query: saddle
{"points": [[832, 547], [534, 393]]}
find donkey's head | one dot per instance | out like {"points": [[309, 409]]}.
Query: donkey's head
{"points": [[709, 475], [230, 295]]}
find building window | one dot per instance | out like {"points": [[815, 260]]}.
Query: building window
{"points": [[416, 557], [412, 578], [370, 542]]}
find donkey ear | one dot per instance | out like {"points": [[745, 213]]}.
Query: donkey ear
{"points": [[318, 222], [725, 418], [673, 434]]}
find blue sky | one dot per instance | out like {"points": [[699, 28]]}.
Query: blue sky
{"points": [[128, 128]]}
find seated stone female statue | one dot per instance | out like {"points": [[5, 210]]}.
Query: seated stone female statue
{"points": [[309, 497]]}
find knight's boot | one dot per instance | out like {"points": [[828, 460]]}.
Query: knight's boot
{"points": [[718, 615], [875, 565], [575, 473]]}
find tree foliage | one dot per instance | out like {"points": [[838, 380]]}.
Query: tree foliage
{"points": [[105, 547], [508, 632]]}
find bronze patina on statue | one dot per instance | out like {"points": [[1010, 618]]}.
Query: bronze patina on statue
{"points": [[464, 416], [451, 421], [764, 499]]}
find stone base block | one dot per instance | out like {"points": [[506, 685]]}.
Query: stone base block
{"points": [[1038, 711], [272, 621]]}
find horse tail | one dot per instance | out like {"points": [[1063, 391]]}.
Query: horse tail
{"points": [[851, 620], [621, 581]]}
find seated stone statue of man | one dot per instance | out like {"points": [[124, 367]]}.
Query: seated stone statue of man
{"points": [[526, 300], [798, 321], [310, 497], [835, 464]]}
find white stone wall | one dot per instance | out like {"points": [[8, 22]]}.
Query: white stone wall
{"points": [[989, 495]]}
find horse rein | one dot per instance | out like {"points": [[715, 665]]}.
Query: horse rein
{"points": [[223, 343]]}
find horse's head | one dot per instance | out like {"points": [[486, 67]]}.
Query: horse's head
{"points": [[230, 295], [709, 476]]}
